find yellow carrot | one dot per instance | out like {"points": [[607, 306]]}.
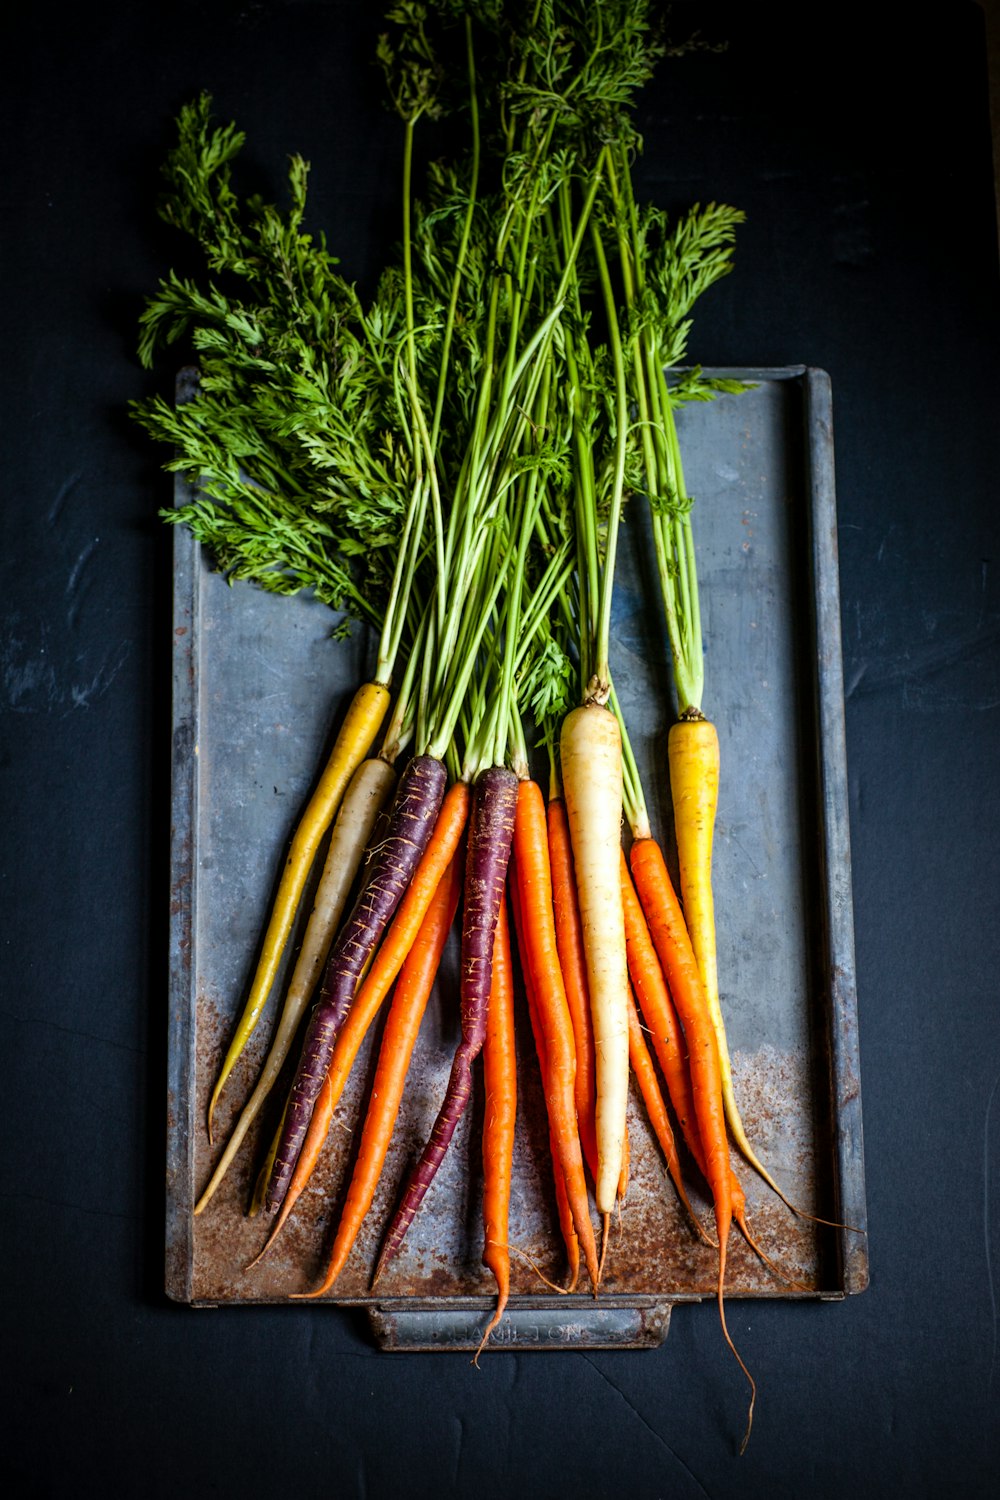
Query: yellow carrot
{"points": [[693, 757], [357, 734]]}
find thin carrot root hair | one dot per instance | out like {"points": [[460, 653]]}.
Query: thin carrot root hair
{"points": [[563, 1291], [502, 1294], [815, 1218], [736, 1355], [761, 1254], [605, 1226]]}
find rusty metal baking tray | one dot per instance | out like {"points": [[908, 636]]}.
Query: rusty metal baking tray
{"points": [[258, 688]]}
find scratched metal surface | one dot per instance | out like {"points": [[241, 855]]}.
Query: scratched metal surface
{"points": [[259, 688]]}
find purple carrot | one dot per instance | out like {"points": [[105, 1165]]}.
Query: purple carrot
{"points": [[491, 831], [392, 863]]}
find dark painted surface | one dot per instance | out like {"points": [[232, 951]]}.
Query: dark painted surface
{"points": [[861, 155]]}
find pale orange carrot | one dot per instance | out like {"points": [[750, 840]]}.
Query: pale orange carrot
{"points": [[673, 945], [657, 1010], [540, 956], [645, 1074], [572, 961]]}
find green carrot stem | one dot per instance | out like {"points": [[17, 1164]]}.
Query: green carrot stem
{"points": [[636, 814], [602, 668]]}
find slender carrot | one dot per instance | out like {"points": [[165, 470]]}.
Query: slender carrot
{"points": [[573, 962], [305, 1166], [693, 757], [491, 829], [645, 1073], [355, 739], [414, 813], [658, 1012], [441, 849], [680, 966], [590, 747], [416, 980], [500, 1110], [399, 940], [564, 1212], [370, 787], [540, 957]]}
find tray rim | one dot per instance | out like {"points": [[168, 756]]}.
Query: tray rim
{"points": [[837, 918]]}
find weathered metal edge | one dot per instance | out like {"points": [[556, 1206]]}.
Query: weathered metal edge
{"points": [[179, 1261], [845, 1089], [417, 1328], [831, 743]]}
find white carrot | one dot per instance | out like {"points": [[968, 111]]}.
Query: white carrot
{"points": [[590, 752]]}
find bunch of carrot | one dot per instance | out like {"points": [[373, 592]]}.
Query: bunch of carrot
{"points": [[472, 425]]}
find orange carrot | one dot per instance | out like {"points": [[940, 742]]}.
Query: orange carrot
{"points": [[658, 1012], [645, 1073], [398, 941], [673, 945], [564, 1213], [500, 1078], [393, 867], [567, 1225], [539, 955], [438, 855], [668, 1042], [416, 979], [573, 962]]}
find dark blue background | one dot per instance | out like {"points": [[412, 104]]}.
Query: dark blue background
{"points": [[860, 151]]}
